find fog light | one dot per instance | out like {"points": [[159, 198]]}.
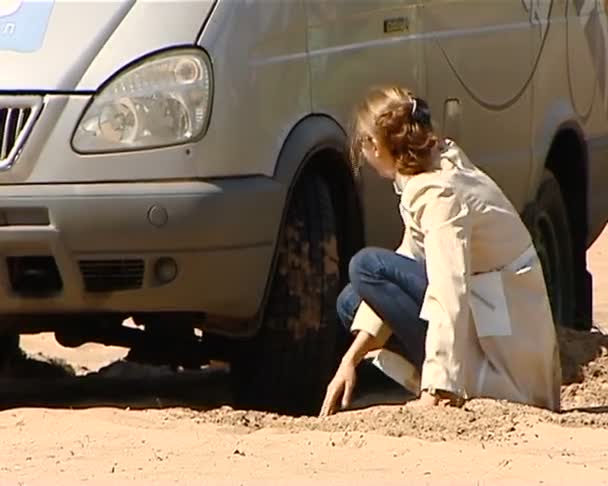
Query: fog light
{"points": [[165, 270]]}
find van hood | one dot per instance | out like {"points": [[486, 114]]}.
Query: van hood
{"points": [[72, 45]]}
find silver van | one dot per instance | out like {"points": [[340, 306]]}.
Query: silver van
{"points": [[184, 163]]}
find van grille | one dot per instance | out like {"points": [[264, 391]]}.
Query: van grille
{"points": [[17, 115], [112, 275], [12, 123]]}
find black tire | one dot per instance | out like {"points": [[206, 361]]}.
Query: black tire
{"points": [[287, 366], [9, 349], [547, 221]]}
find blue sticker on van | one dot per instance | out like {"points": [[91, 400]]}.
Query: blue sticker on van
{"points": [[23, 24]]}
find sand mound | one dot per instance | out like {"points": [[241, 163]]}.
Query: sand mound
{"points": [[584, 368]]}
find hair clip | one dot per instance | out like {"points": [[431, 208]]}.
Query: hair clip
{"points": [[420, 112]]}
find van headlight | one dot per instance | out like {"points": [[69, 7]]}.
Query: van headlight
{"points": [[163, 100]]}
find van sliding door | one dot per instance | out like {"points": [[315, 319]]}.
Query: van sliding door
{"points": [[480, 64]]}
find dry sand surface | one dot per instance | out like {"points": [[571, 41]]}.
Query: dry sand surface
{"points": [[486, 442]]}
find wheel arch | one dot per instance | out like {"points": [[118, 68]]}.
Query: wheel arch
{"points": [[318, 143], [566, 159]]}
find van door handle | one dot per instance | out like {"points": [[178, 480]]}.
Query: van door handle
{"points": [[452, 116]]}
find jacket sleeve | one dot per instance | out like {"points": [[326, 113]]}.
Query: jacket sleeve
{"points": [[367, 320], [445, 222]]}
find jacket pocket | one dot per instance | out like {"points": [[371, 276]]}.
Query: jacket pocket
{"points": [[489, 305]]}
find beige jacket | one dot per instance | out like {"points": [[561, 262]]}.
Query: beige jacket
{"points": [[491, 332]]}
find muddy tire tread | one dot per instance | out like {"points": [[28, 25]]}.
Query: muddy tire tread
{"points": [[282, 370]]}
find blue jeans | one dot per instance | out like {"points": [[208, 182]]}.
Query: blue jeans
{"points": [[393, 286]]}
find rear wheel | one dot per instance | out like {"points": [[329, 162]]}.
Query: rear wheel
{"points": [[287, 366], [547, 220]]}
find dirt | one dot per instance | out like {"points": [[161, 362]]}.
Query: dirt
{"points": [[149, 426], [584, 369]]}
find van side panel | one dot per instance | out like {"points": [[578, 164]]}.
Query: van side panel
{"points": [[480, 53], [552, 106], [570, 90], [355, 45], [587, 49]]}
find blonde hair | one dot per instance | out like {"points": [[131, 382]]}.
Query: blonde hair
{"points": [[399, 122]]}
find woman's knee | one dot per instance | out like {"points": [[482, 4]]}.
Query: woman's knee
{"points": [[367, 263], [363, 262]]}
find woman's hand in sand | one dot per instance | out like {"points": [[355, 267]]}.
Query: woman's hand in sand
{"points": [[340, 389]]}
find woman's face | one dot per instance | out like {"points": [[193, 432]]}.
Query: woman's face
{"points": [[378, 157]]}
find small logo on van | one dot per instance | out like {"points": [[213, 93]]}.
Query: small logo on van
{"points": [[397, 24], [23, 24]]}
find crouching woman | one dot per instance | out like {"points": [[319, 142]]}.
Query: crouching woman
{"points": [[463, 301]]}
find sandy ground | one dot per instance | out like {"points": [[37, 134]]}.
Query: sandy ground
{"points": [[144, 440]]}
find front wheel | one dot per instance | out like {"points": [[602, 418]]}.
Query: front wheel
{"points": [[287, 366], [9, 349], [547, 221]]}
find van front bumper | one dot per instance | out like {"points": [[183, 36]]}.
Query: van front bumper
{"points": [[138, 247]]}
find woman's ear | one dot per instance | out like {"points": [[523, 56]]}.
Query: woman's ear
{"points": [[375, 145]]}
